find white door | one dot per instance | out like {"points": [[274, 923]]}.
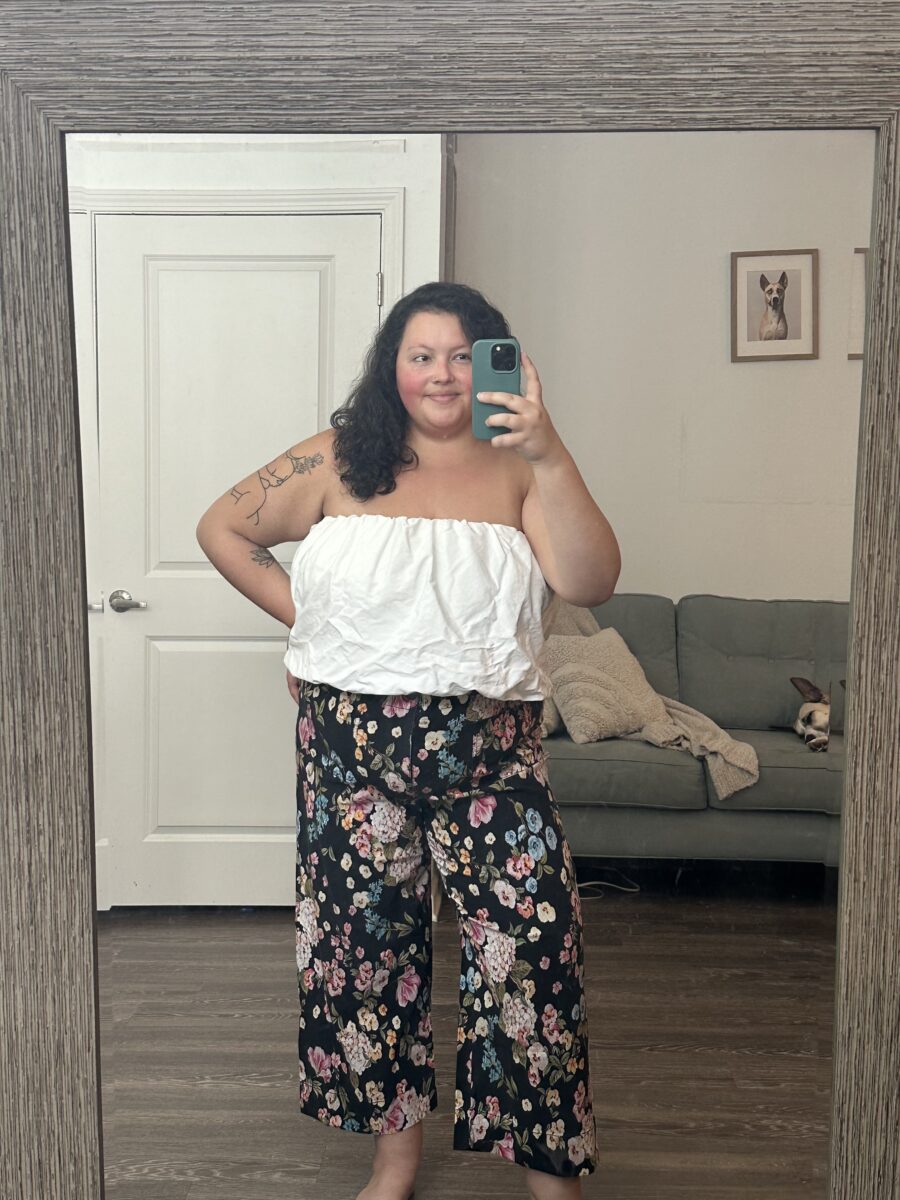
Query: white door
{"points": [[221, 341]]}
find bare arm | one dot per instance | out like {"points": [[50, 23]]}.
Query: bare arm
{"points": [[277, 503]]}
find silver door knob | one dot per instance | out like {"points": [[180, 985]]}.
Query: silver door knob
{"points": [[121, 601]]}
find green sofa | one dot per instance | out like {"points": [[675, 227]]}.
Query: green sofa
{"points": [[731, 659]]}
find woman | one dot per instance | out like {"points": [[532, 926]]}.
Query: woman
{"points": [[415, 602]]}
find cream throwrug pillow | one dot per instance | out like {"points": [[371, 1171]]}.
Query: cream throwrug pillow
{"points": [[599, 687], [565, 620]]}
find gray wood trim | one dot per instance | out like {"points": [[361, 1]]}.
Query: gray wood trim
{"points": [[474, 66]]}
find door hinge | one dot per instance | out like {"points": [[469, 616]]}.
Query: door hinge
{"points": [[379, 277]]}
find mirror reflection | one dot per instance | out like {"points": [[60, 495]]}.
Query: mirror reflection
{"points": [[567, 708]]}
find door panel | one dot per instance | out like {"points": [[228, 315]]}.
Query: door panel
{"points": [[221, 341]]}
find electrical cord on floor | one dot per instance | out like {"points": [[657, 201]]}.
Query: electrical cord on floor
{"points": [[583, 884]]}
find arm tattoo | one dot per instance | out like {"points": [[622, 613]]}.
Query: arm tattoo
{"points": [[261, 555], [274, 474]]}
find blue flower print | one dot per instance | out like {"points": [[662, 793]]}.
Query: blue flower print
{"points": [[536, 848], [468, 981], [320, 820], [376, 924], [450, 769], [550, 835], [491, 1063], [533, 817]]}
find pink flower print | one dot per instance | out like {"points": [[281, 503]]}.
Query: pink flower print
{"points": [[364, 976], [525, 907], [580, 1097], [545, 962], [550, 1022], [478, 1127], [482, 809], [408, 985], [493, 1108], [362, 841], [575, 1147], [476, 930], [307, 731], [504, 727], [407, 769], [360, 804], [504, 1148], [334, 979], [320, 1062], [380, 980], [395, 1117], [397, 705], [518, 1017], [519, 865]]}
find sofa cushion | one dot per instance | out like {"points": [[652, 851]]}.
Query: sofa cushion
{"points": [[792, 778], [736, 657], [623, 773]]}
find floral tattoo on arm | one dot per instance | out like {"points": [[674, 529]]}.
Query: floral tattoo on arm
{"points": [[272, 475]]}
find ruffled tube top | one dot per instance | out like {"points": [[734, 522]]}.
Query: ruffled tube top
{"points": [[436, 605]]}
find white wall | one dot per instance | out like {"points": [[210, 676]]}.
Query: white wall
{"points": [[610, 256]]}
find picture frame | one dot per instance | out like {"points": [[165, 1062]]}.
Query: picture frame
{"points": [[774, 305], [856, 309]]}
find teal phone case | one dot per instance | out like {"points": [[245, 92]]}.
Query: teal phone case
{"points": [[486, 379]]}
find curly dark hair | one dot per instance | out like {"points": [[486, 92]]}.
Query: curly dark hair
{"points": [[372, 423]]}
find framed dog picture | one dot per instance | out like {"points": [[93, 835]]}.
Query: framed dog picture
{"points": [[774, 304]]}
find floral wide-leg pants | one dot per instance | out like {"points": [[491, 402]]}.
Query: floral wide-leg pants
{"points": [[385, 784]]}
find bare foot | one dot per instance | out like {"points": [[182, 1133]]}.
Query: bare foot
{"points": [[544, 1186], [394, 1165]]}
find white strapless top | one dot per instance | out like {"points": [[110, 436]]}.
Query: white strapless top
{"points": [[437, 605]]}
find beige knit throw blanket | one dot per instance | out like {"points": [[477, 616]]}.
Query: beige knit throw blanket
{"points": [[599, 690]]}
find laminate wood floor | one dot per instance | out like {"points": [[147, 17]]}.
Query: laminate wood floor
{"points": [[710, 994]]}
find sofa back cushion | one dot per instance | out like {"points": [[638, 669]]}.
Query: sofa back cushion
{"points": [[647, 626], [736, 657]]}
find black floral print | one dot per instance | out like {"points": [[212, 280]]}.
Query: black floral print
{"points": [[385, 784]]}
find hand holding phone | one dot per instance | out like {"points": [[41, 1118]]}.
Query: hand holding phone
{"points": [[496, 367]]}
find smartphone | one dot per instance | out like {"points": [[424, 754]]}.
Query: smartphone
{"points": [[495, 368]]}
